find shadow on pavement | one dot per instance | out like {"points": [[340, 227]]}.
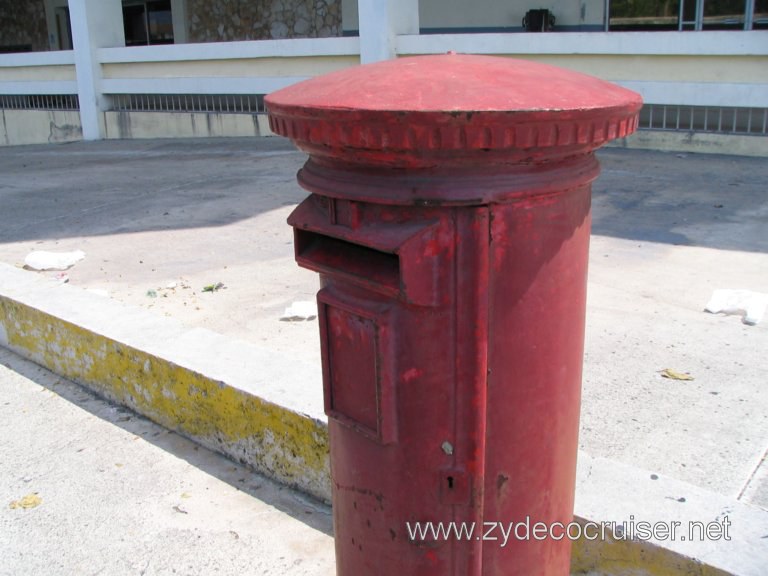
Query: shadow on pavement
{"points": [[123, 187], [704, 200], [295, 504], [114, 187]]}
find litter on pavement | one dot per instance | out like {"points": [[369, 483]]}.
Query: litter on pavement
{"points": [[751, 305]]}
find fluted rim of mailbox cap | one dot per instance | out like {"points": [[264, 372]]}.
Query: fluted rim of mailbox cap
{"points": [[427, 110]]}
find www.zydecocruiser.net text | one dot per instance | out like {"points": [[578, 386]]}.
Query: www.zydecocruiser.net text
{"points": [[523, 530]]}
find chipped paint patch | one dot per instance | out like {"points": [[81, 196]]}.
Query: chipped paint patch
{"points": [[287, 446]]}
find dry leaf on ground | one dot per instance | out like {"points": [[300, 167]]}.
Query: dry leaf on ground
{"points": [[675, 375], [29, 501]]}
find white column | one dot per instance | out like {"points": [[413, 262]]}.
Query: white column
{"points": [[179, 16], [380, 21], [95, 24]]}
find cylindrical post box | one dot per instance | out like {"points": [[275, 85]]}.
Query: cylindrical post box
{"points": [[449, 220]]}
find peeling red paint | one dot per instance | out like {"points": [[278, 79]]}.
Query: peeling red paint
{"points": [[410, 374]]}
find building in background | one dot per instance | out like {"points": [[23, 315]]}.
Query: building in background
{"points": [[93, 69]]}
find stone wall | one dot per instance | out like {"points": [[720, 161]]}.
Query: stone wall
{"points": [[23, 24], [228, 20]]}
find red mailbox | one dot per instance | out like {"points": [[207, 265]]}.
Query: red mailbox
{"points": [[449, 220]]}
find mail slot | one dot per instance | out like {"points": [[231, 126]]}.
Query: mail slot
{"points": [[327, 254]]}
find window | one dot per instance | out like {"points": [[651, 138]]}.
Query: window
{"points": [[629, 15], [723, 15], [643, 14], [760, 15], [147, 22]]}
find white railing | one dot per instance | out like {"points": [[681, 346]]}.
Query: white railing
{"points": [[658, 65], [195, 68], [38, 73], [710, 68], [590, 43], [294, 48], [253, 67]]}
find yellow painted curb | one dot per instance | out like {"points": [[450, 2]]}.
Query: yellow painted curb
{"points": [[285, 445], [632, 558]]}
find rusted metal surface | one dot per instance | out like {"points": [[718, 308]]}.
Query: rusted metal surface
{"points": [[449, 221]]}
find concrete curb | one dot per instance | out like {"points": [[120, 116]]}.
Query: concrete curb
{"points": [[225, 394], [624, 496], [695, 143], [235, 398]]}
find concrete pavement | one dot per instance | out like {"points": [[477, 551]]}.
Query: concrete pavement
{"points": [[120, 495], [172, 217]]}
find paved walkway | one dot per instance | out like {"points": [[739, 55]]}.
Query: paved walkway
{"points": [[112, 493]]}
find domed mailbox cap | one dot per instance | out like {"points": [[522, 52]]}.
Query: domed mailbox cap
{"points": [[452, 109]]}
